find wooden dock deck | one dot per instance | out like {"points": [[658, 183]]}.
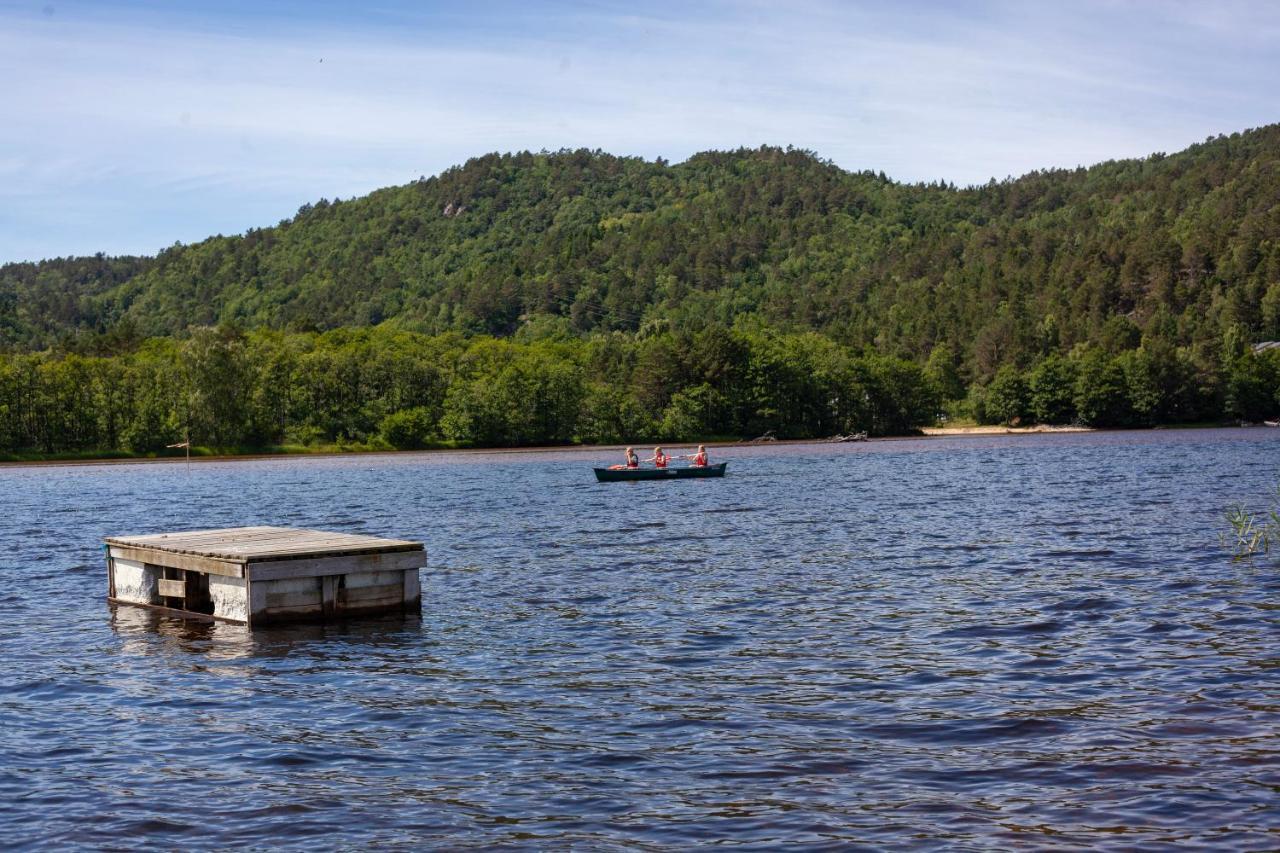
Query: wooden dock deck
{"points": [[262, 575]]}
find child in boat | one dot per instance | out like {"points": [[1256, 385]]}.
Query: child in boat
{"points": [[699, 459], [633, 461], [659, 459]]}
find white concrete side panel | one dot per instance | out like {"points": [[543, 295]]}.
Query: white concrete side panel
{"points": [[136, 582], [230, 600]]}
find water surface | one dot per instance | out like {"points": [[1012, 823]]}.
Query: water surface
{"points": [[961, 643]]}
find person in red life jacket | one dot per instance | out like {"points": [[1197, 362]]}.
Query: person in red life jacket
{"points": [[699, 459], [633, 461], [659, 459]]}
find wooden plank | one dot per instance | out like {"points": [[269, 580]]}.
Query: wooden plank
{"points": [[311, 553], [328, 594], [285, 534], [259, 551], [274, 614], [173, 611], [371, 608], [291, 600], [201, 532], [214, 543], [336, 565], [321, 543], [363, 608], [188, 537], [239, 543], [265, 550], [202, 541], [268, 534], [224, 547], [172, 588], [305, 536], [178, 535], [189, 562], [359, 594], [196, 539]]}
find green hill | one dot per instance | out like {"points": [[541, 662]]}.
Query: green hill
{"points": [[1180, 247], [577, 296]]}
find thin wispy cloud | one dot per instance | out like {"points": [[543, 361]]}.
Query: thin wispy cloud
{"points": [[130, 126]]}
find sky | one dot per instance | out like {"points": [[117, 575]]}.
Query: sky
{"points": [[128, 126]]}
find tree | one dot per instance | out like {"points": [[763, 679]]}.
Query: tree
{"points": [[154, 421], [1161, 384], [409, 429], [1251, 389], [943, 372], [219, 386], [1119, 334], [897, 395], [1270, 308], [534, 398], [1007, 399], [611, 415], [694, 413], [1101, 395], [1051, 390]]}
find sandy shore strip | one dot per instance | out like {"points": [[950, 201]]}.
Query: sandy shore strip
{"points": [[1001, 430], [599, 450]]}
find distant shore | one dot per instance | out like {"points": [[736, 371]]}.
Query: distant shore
{"points": [[1001, 430], [601, 449]]}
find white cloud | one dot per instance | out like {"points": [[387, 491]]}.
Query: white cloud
{"points": [[228, 125]]}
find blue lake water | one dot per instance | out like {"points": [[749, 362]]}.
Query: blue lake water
{"points": [[975, 643]]}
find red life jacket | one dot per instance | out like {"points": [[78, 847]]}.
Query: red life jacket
{"points": [[700, 459], [660, 461]]}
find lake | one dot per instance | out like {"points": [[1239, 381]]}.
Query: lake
{"points": [[974, 642]]}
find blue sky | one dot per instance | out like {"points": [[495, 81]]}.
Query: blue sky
{"points": [[129, 126]]}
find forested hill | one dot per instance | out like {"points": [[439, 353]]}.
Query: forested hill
{"points": [[1180, 248]]}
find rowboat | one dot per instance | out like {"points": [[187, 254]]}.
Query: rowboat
{"points": [[614, 475]]}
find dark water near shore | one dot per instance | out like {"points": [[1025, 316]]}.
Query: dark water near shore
{"points": [[962, 643]]}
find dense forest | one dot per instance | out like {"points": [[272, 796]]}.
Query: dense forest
{"points": [[377, 387], [679, 301]]}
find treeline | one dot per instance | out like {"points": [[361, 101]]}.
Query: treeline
{"points": [[380, 387], [1180, 248], [1153, 384], [385, 388]]}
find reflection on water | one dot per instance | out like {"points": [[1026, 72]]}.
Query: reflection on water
{"points": [[139, 628], [1032, 641]]}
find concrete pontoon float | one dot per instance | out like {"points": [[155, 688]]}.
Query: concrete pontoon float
{"points": [[258, 576]]}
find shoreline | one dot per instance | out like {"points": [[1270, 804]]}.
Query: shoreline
{"points": [[1003, 430], [925, 433]]}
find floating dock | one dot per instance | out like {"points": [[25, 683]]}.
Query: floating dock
{"points": [[258, 576]]}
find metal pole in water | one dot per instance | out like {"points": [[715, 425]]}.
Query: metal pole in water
{"points": [[186, 442]]}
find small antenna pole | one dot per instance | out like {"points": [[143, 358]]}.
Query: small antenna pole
{"points": [[186, 442]]}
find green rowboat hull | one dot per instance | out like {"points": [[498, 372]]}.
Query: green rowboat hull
{"points": [[614, 475]]}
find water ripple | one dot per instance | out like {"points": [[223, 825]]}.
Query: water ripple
{"points": [[979, 643]]}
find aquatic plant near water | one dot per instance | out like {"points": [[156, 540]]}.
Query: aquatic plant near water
{"points": [[1253, 533]]}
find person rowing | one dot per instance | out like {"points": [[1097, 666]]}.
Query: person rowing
{"points": [[699, 459], [633, 461], [659, 459]]}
